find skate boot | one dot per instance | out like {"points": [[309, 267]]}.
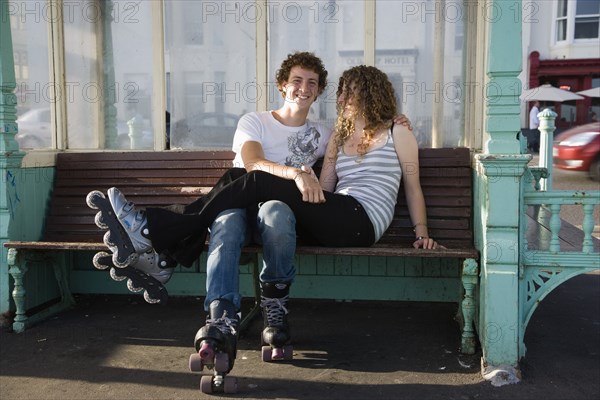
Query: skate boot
{"points": [[149, 274], [127, 234], [216, 347], [276, 333]]}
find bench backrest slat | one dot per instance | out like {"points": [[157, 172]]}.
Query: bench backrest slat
{"points": [[179, 177]]}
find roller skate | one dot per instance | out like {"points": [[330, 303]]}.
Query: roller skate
{"points": [[127, 226], [149, 274], [216, 348], [276, 332]]}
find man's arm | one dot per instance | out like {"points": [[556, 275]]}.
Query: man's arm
{"points": [[254, 159]]}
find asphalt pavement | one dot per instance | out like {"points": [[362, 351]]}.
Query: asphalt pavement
{"points": [[119, 347]]}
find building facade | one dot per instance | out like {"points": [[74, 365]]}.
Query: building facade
{"points": [[561, 46]]}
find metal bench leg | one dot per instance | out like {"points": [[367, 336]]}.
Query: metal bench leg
{"points": [[468, 306], [17, 271]]}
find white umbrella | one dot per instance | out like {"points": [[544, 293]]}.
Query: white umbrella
{"points": [[594, 92], [548, 93]]}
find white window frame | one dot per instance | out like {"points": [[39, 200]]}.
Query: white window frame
{"points": [[570, 18]]}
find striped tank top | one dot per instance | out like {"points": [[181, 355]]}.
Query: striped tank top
{"points": [[373, 180]]}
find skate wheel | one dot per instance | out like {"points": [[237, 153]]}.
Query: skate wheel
{"points": [[221, 362], [99, 221], [115, 277], [230, 384], [277, 353], [206, 384], [102, 260], [130, 260], [150, 299], [108, 242], [196, 363], [132, 288], [92, 196], [266, 353]]}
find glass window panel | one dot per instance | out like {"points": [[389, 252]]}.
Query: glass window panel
{"points": [[35, 93], [405, 41], [130, 54], [587, 7], [108, 62], [561, 30], [562, 8], [81, 76], [568, 113], [586, 28], [332, 30], [210, 63]]}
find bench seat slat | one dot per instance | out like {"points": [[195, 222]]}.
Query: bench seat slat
{"points": [[381, 249]]}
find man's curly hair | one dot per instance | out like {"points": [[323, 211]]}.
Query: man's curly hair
{"points": [[373, 96], [304, 60]]}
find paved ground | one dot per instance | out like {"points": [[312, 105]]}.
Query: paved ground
{"points": [[119, 347]]}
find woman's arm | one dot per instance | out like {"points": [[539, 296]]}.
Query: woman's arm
{"points": [[408, 154], [328, 177]]}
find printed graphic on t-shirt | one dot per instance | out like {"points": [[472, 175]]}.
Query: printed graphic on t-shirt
{"points": [[303, 147]]}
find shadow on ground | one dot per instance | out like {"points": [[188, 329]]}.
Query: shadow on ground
{"points": [[119, 347]]}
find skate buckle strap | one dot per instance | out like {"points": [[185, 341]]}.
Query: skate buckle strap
{"points": [[224, 324], [275, 308]]}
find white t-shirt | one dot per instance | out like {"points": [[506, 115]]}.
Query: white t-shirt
{"points": [[534, 121], [287, 145]]}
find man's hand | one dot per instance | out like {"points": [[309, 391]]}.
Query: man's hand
{"points": [[308, 184], [402, 120]]}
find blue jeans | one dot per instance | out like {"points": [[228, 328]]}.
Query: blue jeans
{"points": [[274, 229]]}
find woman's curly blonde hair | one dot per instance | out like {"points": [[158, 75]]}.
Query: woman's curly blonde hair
{"points": [[373, 97]]}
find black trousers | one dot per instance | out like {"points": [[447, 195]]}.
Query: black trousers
{"points": [[339, 222]]}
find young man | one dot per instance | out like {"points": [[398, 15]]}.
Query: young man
{"points": [[280, 142]]}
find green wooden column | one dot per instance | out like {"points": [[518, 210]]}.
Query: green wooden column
{"points": [[10, 157], [498, 172]]}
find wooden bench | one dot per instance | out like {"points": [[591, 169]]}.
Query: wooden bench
{"points": [[178, 177]]}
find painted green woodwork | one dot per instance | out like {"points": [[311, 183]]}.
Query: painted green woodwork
{"points": [[543, 264], [10, 158], [503, 67], [499, 176], [28, 191], [329, 277]]}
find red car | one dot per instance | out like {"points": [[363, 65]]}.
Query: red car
{"points": [[578, 149]]}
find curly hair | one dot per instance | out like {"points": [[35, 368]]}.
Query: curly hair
{"points": [[373, 96], [304, 60]]}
